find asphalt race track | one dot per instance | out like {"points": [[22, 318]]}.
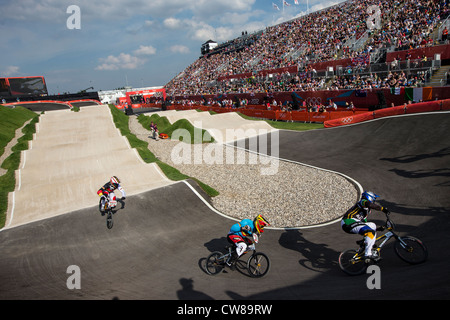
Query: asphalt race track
{"points": [[161, 237]]}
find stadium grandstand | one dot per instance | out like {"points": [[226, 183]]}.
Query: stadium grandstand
{"points": [[326, 55]]}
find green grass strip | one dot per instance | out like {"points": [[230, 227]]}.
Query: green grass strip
{"points": [[121, 122], [164, 126], [10, 121]]}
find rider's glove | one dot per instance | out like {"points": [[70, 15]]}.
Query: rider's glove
{"points": [[385, 210], [123, 198]]}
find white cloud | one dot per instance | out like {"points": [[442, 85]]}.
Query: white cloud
{"points": [[145, 51], [207, 32], [149, 23], [199, 30], [10, 71], [173, 23], [126, 60], [179, 49], [122, 61]]}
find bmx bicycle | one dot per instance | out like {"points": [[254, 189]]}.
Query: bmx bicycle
{"points": [[407, 248], [108, 209], [257, 265]]}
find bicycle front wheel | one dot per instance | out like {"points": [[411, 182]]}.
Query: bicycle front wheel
{"points": [[109, 220], [215, 263], [410, 250], [258, 265], [352, 262]]}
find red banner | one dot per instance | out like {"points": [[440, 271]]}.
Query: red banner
{"points": [[284, 115], [380, 113], [423, 107], [407, 109], [445, 104], [266, 114], [349, 120]]}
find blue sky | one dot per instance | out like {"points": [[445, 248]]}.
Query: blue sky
{"points": [[136, 42]]}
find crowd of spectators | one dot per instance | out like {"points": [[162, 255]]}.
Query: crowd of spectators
{"points": [[410, 24], [373, 81], [316, 37]]}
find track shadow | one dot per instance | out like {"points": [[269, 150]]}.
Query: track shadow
{"points": [[316, 256], [444, 152], [187, 291], [217, 244], [418, 174]]}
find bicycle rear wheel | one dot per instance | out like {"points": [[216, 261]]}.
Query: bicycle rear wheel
{"points": [[215, 263], [411, 250], [352, 263], [258, 265]]}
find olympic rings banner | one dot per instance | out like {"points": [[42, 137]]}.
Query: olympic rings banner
{"points": [[399, 110]]}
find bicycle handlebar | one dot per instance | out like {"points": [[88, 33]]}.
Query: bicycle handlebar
{"points": [[389, 224]]}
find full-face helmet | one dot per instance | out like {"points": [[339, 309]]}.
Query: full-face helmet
{"points": [[260, 222], [369, 196], [114, 181]]}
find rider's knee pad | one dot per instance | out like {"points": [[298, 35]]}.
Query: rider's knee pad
{"points": [[369, 234]]}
